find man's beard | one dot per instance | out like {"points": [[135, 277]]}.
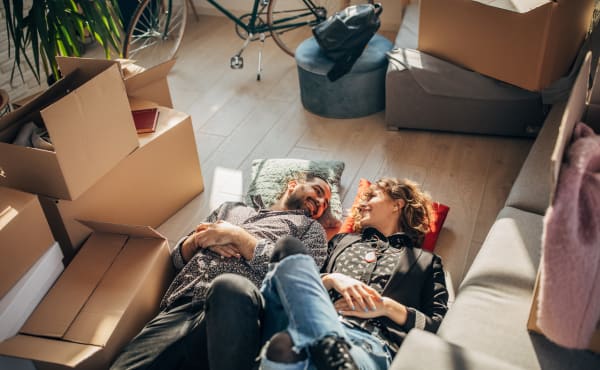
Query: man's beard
{"points": [[294, 202]]}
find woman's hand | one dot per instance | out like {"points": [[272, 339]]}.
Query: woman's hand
{"points": [[388, 307], [343, 308], [355, 293]]}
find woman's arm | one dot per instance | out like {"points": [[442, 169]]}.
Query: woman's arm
{"points": [[434, 301]]}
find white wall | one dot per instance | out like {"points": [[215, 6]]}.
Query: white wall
{"points": [[390, 19]]}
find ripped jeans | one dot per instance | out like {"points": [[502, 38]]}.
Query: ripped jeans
{"points": [[296, 301]]}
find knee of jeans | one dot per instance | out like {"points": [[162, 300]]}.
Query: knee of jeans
{"points": [[230, 289]]}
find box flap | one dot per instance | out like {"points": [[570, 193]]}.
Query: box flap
{"points": [[88, 67], [122, 283], [573, 113], [152, 84], [131, 230], [517, 6], [91, 125], [48, 350], [55, 314]]}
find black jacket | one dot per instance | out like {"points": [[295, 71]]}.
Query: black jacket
{"points": [[417, 282]]}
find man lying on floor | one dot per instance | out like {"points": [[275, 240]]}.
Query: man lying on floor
{"points": [[202, 316]]}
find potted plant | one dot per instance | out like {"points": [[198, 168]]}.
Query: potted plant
{"points": [[58, 27]]}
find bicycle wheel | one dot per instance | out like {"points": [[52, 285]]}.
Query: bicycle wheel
{"points": [[155, 31], [291, 21]]}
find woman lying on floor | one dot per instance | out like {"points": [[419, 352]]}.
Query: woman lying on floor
{"points": [[375, 286]]}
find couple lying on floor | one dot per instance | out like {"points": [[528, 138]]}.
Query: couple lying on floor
{"points": [[346, 304]]}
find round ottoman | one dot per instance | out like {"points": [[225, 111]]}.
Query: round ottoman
{"points": [[358, 93]]}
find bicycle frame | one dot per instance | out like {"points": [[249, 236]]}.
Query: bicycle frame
{"points": [[252, 28]]}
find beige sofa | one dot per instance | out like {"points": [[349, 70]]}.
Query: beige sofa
{"points": [[486, 326]]}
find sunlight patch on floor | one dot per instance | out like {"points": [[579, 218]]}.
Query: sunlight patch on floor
{"points": [[227, 186]]}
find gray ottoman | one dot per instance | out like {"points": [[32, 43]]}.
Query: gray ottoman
{"points": [[358, 93]]}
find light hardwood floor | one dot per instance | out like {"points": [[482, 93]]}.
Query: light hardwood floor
{"points": [[238, 119]]}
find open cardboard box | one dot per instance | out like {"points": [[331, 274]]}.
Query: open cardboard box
{"points": [[30, 259], [146, 188], [90, 124], [24, 235], [100, 302], [581, 107], [150, 84], [527, 43]]}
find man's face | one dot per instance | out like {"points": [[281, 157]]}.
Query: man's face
{"points": [[311, 196]]}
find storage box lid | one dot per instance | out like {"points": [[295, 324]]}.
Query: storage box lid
{"points": [[517, 6], [24, 235]]}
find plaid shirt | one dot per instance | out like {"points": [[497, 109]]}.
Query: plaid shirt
{"points": [[194, 277]]}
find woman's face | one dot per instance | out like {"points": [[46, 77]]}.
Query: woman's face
{"points": [[380, 211]]}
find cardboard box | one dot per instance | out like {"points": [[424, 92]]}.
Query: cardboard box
{"points": [[150, 84], [582, 106], [90, 124], [146, 188], [528, 43], [21, 300], [101, 301], [24, 236]]}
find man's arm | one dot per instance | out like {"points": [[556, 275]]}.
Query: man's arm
{"points": [[181, 254]]}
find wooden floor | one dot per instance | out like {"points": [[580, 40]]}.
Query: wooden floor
{"points": [[238, 119]]}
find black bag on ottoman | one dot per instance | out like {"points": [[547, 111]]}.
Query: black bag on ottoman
{"points": [[344, 35]]}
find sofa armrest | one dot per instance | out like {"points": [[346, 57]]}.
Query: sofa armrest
{"points": [[424, 350]]}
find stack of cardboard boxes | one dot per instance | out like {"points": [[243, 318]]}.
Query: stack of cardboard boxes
{"points": [[76, 207]]}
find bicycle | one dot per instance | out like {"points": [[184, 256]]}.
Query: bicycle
{"points": [[157, 26]]}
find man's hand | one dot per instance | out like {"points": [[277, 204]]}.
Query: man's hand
{"points": [[221, 237], [356, 294]]}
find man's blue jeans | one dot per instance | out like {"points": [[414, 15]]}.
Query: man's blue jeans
{"points": [[296, 301]]}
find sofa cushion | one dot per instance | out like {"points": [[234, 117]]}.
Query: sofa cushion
{"points": [[531, 190], [419, 345], [491, 309]]}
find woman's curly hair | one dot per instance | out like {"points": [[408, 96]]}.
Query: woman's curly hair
{"points": [[416, 214]]}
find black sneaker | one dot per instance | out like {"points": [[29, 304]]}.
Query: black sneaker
{"points": [[332, 353]]}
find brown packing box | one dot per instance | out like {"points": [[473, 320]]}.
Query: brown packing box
{"points": [[150, 84], [146, 188], [24, 235], [527, 43], [90, 124], [581, 107], [102, 299]]}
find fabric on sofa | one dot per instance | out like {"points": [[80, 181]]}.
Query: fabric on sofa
{"points": [[531, 189]]}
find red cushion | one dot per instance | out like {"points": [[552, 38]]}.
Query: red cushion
{"points": [[440, 211]]}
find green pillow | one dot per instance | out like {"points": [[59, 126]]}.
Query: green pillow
{"points": [[270, 176]]}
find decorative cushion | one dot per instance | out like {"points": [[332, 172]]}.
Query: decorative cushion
{"points": [[440, 211], [270, 176]]}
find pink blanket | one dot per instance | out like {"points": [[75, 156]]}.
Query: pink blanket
{"points": [[569, 301]]}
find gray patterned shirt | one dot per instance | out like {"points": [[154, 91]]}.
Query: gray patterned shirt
{"points": [[194, 278]]}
